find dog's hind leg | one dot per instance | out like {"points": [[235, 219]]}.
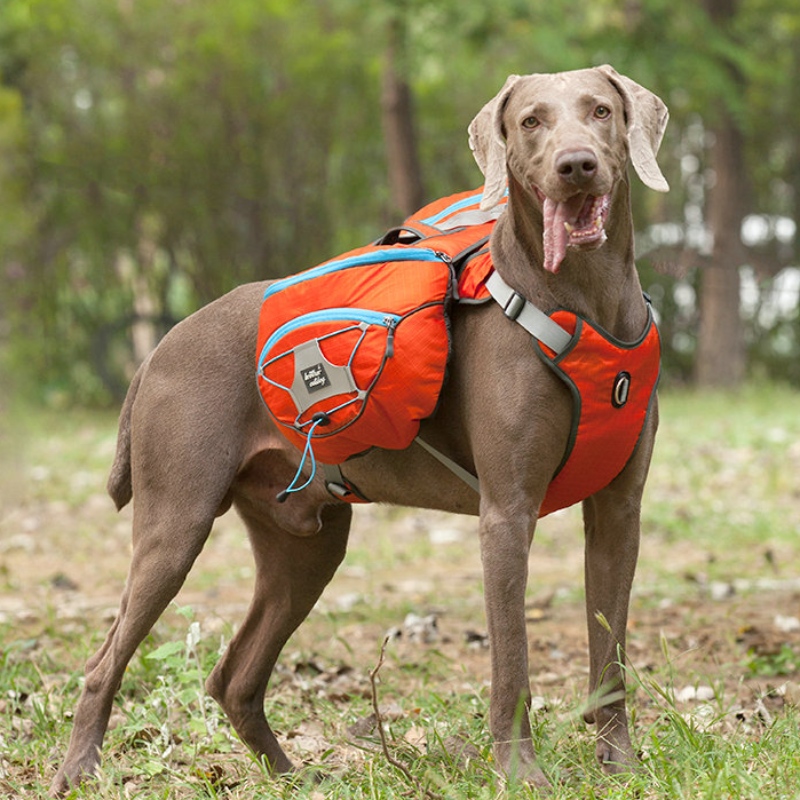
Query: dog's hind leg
{"points": [[160, 562], [291, 572]]}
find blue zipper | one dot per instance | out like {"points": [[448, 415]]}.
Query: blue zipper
{"points": [[356, 315], [362, 260]]}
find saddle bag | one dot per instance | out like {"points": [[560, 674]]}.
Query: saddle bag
{"points": [[352, 353]]}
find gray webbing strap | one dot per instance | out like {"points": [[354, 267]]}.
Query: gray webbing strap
{"points": [[337, 485], [457, 470], [536, 322], [516, 308], [472, 217]]}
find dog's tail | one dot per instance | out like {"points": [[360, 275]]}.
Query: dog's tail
{"points": [[119, 485]]}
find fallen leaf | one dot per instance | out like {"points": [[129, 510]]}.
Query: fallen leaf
{"points": [[416, 737]]}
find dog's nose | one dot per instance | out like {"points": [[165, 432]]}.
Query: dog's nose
{"points": [[576, 166]]}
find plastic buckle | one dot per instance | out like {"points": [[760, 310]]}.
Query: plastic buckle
{"points": [[514, 305], [337, 490]]}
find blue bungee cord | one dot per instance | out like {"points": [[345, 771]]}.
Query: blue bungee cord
{"points": [[319, 419]]}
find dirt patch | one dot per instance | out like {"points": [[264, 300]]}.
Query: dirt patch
{"points": [[63, 563]]}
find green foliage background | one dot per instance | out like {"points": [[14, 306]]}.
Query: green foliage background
{"points": [[197, 145]]}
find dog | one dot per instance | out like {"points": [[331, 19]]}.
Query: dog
{"points": [[195, 438]]}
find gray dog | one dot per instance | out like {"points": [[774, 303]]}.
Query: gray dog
{"points": [[195, 437]]}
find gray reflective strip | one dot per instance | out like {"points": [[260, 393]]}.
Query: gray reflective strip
{"points": [[536, 322], [457, 470], [472, 217]]}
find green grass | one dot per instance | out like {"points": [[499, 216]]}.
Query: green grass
{"points": [[722, 508], [724, 478], [172, 742]]}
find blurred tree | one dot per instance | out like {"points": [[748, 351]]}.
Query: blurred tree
{"points": [[155, 153], [750, 149], [15, 219], [720, 352], [727, 69], [177, 152], [399, 124]]}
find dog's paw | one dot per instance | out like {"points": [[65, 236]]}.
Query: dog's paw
{"points": [[532, 775], [616, 760], [62, 784], [519, 766]]}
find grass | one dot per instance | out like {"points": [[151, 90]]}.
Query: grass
{"points": [[713, 677]]}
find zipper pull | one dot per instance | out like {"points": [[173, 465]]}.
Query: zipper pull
{"points": [[391, 323]]}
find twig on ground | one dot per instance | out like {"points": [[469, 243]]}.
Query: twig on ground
{"points": [[373, 678]]}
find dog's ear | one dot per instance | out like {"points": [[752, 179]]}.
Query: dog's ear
{"points": [[488, 144], [647, 119]]}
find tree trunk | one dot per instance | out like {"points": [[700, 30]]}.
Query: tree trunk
{"points": [[720, 349], [397, 108]]}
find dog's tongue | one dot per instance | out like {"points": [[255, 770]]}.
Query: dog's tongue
{"points": [[576, 222], [556, 236]]}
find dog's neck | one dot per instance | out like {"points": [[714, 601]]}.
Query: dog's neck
{"points": [[602, 284]]}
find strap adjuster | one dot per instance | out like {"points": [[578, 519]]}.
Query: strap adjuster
{"points": [[514, 305], [518, 309], [337, 490], [340, 488]]}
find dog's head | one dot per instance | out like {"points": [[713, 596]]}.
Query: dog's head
{"points": [[566, 139]]}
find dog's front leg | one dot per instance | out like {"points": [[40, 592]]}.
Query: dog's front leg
{"points": [[505, 543], [612, 546], [612, 525]]}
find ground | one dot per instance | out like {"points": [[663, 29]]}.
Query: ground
{"points": [[714, 632]]}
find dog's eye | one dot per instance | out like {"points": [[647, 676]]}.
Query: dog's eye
{"points": [[530, 123], [602, 112]]}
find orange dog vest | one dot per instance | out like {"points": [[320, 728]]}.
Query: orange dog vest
{"points": [[613, 386]]}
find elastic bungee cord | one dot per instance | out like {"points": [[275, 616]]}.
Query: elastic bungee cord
{"points": [[319, 419]]}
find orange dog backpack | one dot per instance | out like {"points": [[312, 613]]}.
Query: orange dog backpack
{"points": [[352, 353]]}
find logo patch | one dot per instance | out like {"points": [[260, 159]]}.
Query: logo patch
{"points": [[622, 389], [315, 378]]}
